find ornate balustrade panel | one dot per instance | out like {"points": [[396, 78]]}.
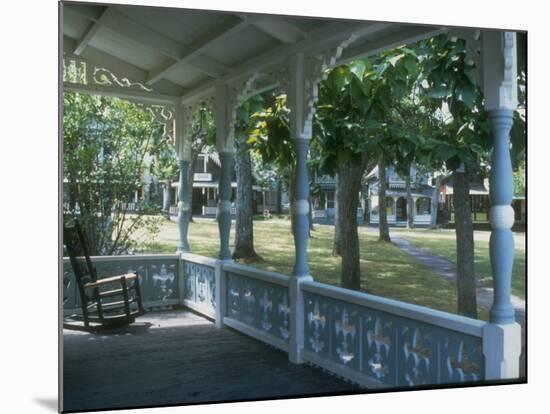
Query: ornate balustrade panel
{"points": [[382, 343], [199, 284], [257, 303], [158, 277]]}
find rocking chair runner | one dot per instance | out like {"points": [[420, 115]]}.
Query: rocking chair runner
{"points": [[106, 302]]}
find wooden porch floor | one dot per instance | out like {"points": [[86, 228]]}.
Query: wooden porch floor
{"points": [[178, 357]]}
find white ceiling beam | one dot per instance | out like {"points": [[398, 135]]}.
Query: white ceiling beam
{"points": [[280, 29], [326, 38], [118, 22], [121, 68], [124, 93], [406, 36], [194, 50], [209, 66], [90, 33]]}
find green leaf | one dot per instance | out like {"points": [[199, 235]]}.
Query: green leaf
{"points": [[466, 93], [358, 68], [444, 152]]}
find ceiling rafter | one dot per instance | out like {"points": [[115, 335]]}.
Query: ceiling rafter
{"points": [[280, 29], [90, 33], [118, 22], [328, 36], [410, 35], [197, 48]]}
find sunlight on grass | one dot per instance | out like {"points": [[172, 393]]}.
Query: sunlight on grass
{"points": [[444, 245], [385, 270]]}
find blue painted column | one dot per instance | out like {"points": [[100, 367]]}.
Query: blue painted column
{"points": [[502, 335], [501, 216], [184, 208], [300, 208], [227, 160]]}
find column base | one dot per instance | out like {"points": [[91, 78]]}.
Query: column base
{"points": [[296, 342], [502, 348]]}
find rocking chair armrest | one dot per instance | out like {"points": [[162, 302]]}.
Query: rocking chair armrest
{"points": [[112, 279]]}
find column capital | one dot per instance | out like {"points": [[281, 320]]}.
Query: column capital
{"points": [[499, 60]]}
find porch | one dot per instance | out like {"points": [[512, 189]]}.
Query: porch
{"points": [[371, 341], [179, 357]]}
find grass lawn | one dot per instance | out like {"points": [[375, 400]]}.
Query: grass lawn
{"points": [[385, 270], [443, 243]]}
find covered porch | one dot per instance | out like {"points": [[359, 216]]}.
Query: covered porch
{"points": [[178, 357], [373, 342]]}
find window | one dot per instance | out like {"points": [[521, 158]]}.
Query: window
{"points": [[423, 206], [389, 206], [330, 199]]}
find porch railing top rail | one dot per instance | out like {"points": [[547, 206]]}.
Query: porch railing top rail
{"points": [[265, 275], [123, 258], [195, 258], [419, 313]]}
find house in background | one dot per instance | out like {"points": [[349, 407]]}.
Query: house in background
{"points": [[480, 202], [396, 197], [323, 203], [206, 174]]}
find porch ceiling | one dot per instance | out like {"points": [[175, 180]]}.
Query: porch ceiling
{"points": [[180, 52]]}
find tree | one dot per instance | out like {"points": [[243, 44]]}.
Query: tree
{"points": [[270, 142], [106, 143], [383, 229], [340, 139], [203, 137], [462, 144], [244, 229]]}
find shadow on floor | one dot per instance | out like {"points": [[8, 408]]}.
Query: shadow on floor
{"points": [[181, 358]]}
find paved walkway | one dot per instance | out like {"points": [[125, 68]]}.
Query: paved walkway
{"points": [[446, 269]]}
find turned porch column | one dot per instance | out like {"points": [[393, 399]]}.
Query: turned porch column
{"points": [[300, 134], [502, 336], [183, 146], [224, 108]]}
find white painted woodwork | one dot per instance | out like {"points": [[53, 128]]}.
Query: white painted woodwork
{"points": [[126, 93], [502, 349], [499, 60], [419, 313], [90, 33], [280, 29], [219, 34]]}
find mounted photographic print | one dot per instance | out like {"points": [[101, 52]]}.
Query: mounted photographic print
{"points": [[263, 206]]}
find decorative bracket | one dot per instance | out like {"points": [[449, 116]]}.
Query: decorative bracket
{"points": [[305, 75]]}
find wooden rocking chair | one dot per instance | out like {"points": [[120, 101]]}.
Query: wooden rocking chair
{"points": [[106, 303]]}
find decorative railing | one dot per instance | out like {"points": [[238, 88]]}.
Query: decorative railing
{"points": [[379, 342], [199, 284], [158, 277], [370, 340], [257, 303], [202, 177], [213, 210]]}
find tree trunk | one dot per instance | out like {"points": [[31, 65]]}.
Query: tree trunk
{"points": [[166, 198], [434, 208], [410, 218], [466, 279], [244, 230], [310, 216], [279, 197], [365, 194], [337, 245], [384, 231], [349, 184]]}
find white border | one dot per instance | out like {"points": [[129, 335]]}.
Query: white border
{"points": [[29, 225]]}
